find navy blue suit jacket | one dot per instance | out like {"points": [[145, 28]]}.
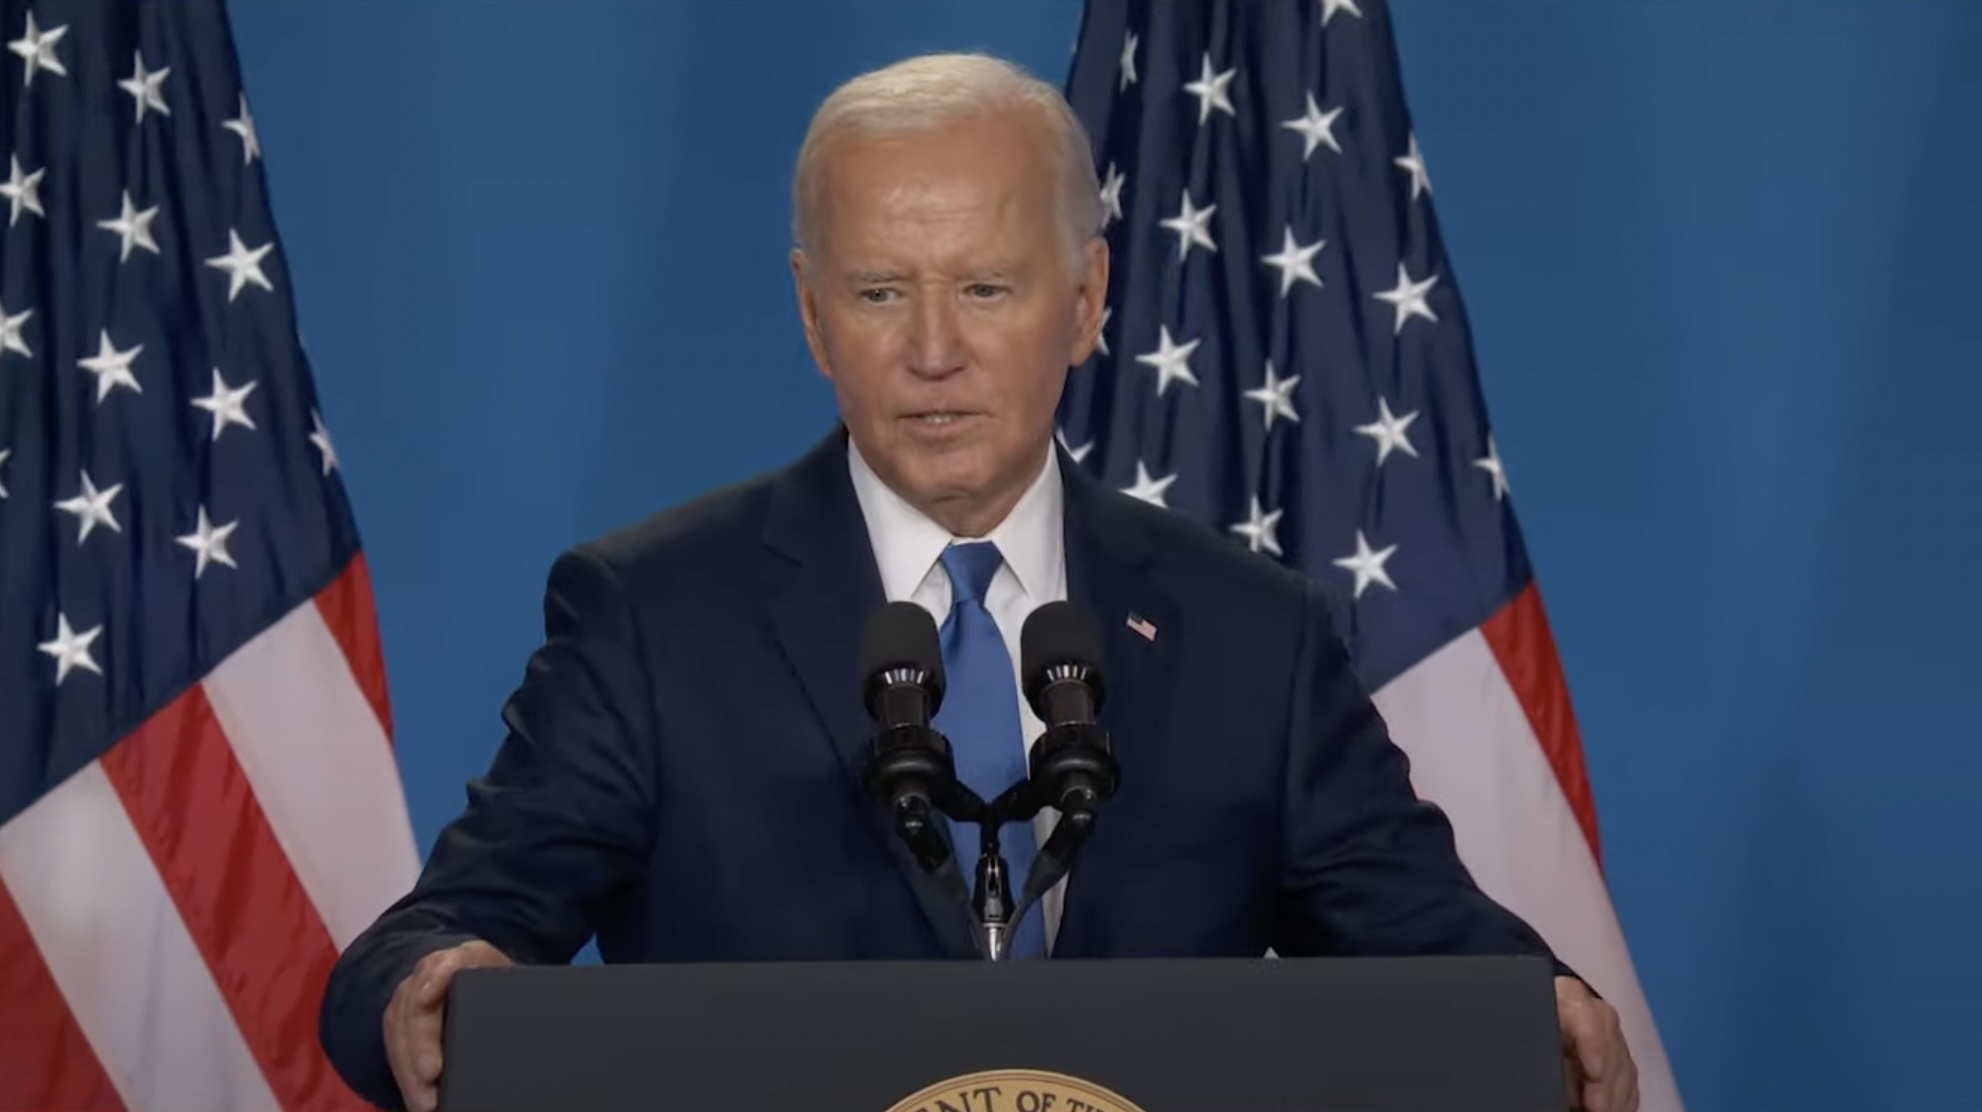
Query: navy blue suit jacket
{"points": [[681, 771]]}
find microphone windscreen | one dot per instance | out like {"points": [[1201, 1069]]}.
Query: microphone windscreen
{"points": [[1058, 634], [901, 635]]}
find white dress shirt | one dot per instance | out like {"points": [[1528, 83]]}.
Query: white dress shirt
{"points": [[908, 548]]}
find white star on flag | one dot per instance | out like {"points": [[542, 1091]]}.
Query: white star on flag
{"points": [[1415, 163], [1409, 297], [22, 190], [146, 88], [1171, 360], [1210, 89], [1490, 463], [132, 227], [242, 265], [1294, 261], [37, 48], [1077, 454], [1259, 527], [10, 331], [70, 649], [1193, 226], [1101, 333], [320, 437], [228, 406], [111, 367], [1150, 489], [1277, 396], [1388, 431], [4, 453], [244, 126], [1111, 195], [210, 543], [92, 508], [1316, 127], [1128, 64], [1368, 565], [1330, 7]]}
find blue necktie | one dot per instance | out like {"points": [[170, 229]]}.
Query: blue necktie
{"points": [[980, 716]]}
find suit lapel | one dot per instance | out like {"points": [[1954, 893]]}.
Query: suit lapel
{"points": [[818, 611], [1109, 557]]}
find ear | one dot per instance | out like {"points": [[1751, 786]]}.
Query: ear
{"points": [[808, 310], [1090, 296]]}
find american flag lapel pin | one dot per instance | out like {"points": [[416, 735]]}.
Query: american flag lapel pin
{"points": [[1142, 625]]}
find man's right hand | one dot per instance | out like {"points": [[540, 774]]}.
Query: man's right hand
{"points": [[413, 1019]]}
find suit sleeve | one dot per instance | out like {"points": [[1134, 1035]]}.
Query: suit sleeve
{"points": [[1367, 866], [559, 824]]}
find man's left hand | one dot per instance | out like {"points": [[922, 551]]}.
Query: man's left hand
{"points": [[1598, 1072]]}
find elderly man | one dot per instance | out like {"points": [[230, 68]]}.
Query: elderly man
{"points": [[681, 772]]}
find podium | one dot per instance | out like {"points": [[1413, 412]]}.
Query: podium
{"points": [[1406, 1034]]}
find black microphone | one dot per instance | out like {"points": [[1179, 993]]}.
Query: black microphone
{"points": [[1073, 764], [909, 770]]}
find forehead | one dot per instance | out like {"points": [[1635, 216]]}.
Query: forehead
{"points": [[976, 171]]}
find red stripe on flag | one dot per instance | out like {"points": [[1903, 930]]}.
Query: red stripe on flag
{"points": [[348, 609], [1525, 647], [228, 875], [45, 1059]]}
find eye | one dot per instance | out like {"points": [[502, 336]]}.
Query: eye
{"points": [[876, 295], [983, 290]]}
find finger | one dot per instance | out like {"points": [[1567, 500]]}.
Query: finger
{"points": [[400, 1057], [412, 1023], [422, 1036], [1626, 1098], [422, 1047], [437, 970], [432, 976], [1579, 1040], [1610, 1081], [1596, 1060], [1592, 1080], [414, 1019]]}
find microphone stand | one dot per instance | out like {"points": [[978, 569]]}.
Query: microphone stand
{"points": [[901, 757], [991, 903], [998, 913], [992, 898]]}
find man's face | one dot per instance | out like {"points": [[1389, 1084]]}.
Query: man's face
{"points": [[942, 307]]}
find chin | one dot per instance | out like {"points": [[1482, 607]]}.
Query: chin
{"points": [[940, 483]]}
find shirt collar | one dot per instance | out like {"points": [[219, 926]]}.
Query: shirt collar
{"points": [[907, 543]]}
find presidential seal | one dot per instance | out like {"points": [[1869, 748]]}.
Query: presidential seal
{"points": [[1015, 1091]]}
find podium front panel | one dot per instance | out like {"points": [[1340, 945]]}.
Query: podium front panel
{"points": [[1433, 1034]]}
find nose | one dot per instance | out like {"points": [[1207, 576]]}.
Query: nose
{"points": [[935, 343]]}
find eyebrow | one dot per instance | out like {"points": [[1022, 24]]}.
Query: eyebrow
{"points": [[882, 277]]}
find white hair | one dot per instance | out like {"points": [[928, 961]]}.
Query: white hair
{"points": [[932, 91]]}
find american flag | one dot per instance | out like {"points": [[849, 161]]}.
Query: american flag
{"points": [[1286, 359], [199, 803]]}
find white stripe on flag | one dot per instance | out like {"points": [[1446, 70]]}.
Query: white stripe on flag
{"points": [[115, 944], [321, 766], [1474, 753]]}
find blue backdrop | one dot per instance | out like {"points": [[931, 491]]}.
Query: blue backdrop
{"points": [[1721, 262]]}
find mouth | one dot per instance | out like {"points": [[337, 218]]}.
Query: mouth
{"points": [[937, 418]]}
